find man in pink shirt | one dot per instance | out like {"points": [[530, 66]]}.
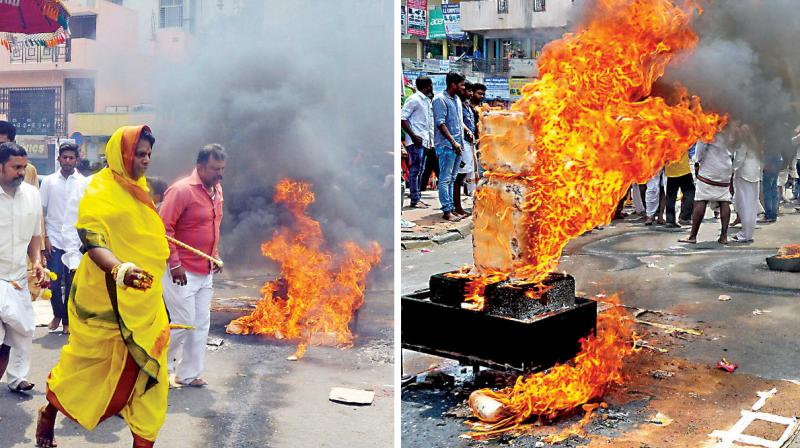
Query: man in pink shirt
{"points": [[192, 212]]}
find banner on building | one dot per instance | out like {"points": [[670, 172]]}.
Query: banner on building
{"points": [[452, 21], [417, 18], [436, 24], [523, 68], [403, 32], [515, 86], [496, 88], [436, 65], [35, 145], [412, 75], [439, 83]]}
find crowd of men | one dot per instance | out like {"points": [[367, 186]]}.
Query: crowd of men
{"points": [[41, 224], [735, 169], [441, 137]]}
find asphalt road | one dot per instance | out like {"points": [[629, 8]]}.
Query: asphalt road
{"points": [[650, 270], [255, 397]]}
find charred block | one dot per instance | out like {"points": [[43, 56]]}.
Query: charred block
{"points": [[526, 300], [448, 290], [440, 330]]}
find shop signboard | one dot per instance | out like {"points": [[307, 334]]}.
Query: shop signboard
{"points": [[515, 86], [496, 87], [417, 18], [439, 83], [523, 67], [436, 66], [452, 21], [41, 151], [436, 24], [403, 32]]}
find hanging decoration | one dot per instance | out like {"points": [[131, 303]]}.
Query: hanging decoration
{"points": [[33, 23]]}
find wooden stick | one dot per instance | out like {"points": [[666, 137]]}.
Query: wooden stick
{"points": [[198, 252]]}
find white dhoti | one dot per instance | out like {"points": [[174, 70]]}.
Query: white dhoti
{"points": [[636, 197], [745, 198], [188, 305], [711, 193], [653, 195], [16, 315], [469, 166]]}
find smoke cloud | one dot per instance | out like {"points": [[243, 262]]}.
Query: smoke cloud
{"points": [[746, 65], [291, 89]]}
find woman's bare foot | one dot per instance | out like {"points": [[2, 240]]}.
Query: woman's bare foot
{"points": [[45, 427], [723, 240], [688, 240]]}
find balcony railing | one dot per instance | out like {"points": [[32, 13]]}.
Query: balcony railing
{"points": [[38, 55], [464, 66]]}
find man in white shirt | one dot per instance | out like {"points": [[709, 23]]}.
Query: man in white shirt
{"points": [[416, 119], [714, 173], [61, 192], [20, 223], [746, 175]]}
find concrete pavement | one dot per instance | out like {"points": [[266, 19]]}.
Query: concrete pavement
{"points": [[255, 397], [650, 270]]}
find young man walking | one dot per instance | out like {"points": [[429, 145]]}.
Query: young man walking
{"points": [[61, 192], [192, 213]]}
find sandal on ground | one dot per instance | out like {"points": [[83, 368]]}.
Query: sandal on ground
{"points": [[23, 386], [687, 240], [45, 430], [738, 239], [197, 382]]}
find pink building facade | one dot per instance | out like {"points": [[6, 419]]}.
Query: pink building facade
{"points": [[86, 88]]}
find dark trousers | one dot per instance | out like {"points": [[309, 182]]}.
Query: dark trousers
{"points": [[64, 280], [431, 166], [686, 184], [416, 159], [796, 186], [769, 183]]}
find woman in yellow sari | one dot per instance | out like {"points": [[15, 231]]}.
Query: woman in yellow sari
{"points": [[115, 359]]}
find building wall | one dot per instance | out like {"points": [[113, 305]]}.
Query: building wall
{"points": [[482, 15]]}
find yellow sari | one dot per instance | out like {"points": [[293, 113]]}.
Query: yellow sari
{"points": [[118, 337]]}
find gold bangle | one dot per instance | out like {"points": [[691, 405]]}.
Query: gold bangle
{"points": [[115, 271]]}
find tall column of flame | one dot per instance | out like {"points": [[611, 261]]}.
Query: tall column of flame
{"points": [[596, 130], [318, 291]]}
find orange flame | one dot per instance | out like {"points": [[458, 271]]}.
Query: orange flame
{"points": [[789, 251], [318, 291], [559, 390], [596, 123], [597, 127]]}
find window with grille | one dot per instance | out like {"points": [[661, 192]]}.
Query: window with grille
{"points": [[170, 13], [502, 6], [83, 27], [538, 5]]}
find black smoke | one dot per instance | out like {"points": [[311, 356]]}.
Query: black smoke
{"points": [[297, 89]]}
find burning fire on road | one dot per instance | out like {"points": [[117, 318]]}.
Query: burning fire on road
{"points": [[318, 291], [559, 162]]}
